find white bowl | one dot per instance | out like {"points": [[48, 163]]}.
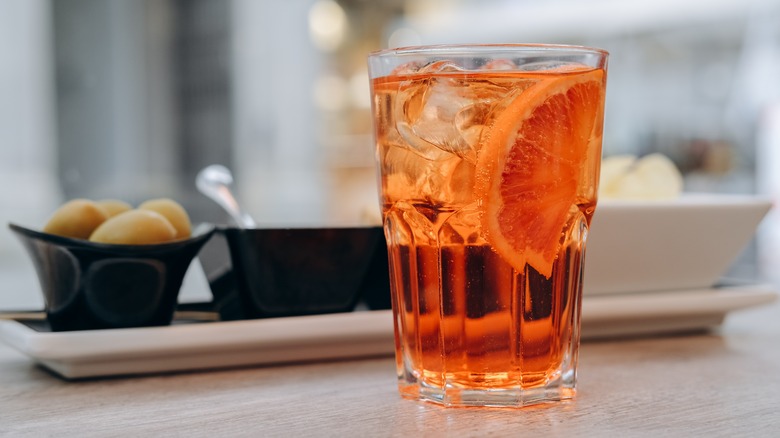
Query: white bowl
{"points": [[685, 243]]}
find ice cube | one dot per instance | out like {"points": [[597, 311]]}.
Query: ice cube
{"points": [[446, 114], [462, 226], [406, 224], [406, 69], [444, 182], [499, 64], [441, 67], [425, 115]]}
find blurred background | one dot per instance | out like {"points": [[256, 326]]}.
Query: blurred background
{"points": [[129, 99]]}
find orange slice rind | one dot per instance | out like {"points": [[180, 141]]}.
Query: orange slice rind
{"points": [[531, 162]]}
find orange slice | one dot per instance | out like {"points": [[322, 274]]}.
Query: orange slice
{"points": [[532, 162]]}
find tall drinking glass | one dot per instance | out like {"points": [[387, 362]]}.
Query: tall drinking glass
{"points": [[488, 161]]}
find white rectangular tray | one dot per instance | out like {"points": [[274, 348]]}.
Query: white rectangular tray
{"points": [[209, 345]]}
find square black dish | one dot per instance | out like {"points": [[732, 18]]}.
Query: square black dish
{"points": [[302, 271], [89, 285]]}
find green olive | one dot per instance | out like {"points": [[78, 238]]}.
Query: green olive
{"points": [[77, 218], [135, 227], [174, 212]]}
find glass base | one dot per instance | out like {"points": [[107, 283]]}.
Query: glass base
{"points": [[560, 390]]}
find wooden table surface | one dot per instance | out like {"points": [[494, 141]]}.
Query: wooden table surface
{"points": [[722, 383]]}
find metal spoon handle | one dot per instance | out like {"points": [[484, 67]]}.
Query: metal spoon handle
{"points": [[214, 182]]}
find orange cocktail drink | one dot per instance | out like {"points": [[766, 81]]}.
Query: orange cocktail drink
{"points": [[488, 160]]}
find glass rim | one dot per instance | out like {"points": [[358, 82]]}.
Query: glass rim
{"points": [[475, 49]]}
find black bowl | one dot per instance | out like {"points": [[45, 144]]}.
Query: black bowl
{"points": [[300, 271], [89, 285]]}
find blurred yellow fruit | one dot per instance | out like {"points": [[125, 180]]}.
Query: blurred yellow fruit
{"points": [[612, 171], [114, 206], [77, 218], [653, 176], [135, 227], [174, 212]]}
